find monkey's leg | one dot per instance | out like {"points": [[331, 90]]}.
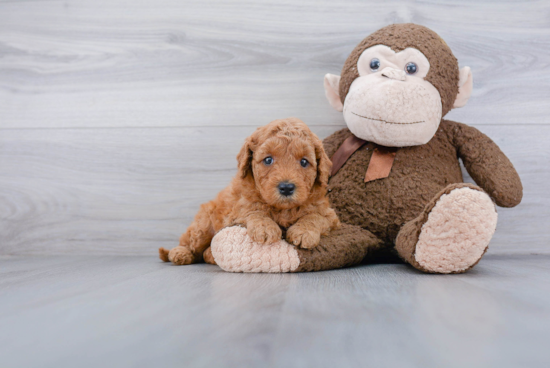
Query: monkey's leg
{"points": [[452, 233], [194, 241], [234, 251]]}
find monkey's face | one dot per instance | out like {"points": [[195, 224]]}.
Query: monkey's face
{"points": [[397, 84], [390, 103]]}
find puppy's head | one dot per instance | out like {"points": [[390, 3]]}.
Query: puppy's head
{"points": [[287, 163]]}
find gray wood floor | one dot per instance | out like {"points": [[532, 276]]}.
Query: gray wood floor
{"points": [[112, 311], [118, 118]]}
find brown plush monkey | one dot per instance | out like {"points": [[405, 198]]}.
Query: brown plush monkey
{"points": [[396, 182]]}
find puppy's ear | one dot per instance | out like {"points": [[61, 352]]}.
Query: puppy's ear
{"points": [[244, 159], [323, 162]]}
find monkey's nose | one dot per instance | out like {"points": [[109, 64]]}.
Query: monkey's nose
{"points": [[394, 73], [286, 188]]}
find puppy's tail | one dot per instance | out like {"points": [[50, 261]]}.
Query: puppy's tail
{"points": [[163, 254]]}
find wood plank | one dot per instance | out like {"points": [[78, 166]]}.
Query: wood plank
{"points": [[129, 191], [136, 311], [213, 63]]}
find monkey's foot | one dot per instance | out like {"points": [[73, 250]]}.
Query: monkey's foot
{"points": [[452, 233], [235, 251]]}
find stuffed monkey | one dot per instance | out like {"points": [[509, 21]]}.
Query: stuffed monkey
{"points": [[396, 181]]}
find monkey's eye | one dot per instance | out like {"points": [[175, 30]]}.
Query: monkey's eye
{"points": [[268, 160], [411, 68], [374, 64], [304, 162]]}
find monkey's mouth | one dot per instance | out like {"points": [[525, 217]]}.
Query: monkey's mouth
{"points": [[388, 122]]}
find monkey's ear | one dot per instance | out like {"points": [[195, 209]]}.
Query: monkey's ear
{"points": [[465, 86], [244, 159], [332, 85]]}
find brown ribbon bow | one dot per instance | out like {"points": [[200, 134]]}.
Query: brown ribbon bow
{"points": [[380, 163]]}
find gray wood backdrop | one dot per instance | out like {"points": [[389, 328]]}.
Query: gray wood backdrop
{"points": [[118, 118]]}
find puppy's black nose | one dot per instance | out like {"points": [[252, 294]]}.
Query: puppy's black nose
{"points": [[286, 188]]}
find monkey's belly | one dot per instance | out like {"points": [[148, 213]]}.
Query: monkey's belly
{"points": [[382, 206]]}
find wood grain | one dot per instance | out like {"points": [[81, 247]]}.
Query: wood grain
{"points": [[130, 312], [118, 118], [129, 191], [219, 63]]}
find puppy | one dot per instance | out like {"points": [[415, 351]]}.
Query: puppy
{"points": [[280, 187]]}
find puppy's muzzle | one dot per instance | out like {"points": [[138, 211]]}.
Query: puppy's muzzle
{"points": [[286, 189]]}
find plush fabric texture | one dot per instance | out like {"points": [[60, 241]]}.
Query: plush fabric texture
{"points": [[418, 174], [234, 251], [452, 233], [443, 74], [331, 83], [346, 149], [422, 211], [380, 164], [391, 60], [465, 87], [394, 74], [393, 114], [457, 232], [374, 213], [344, 247]]}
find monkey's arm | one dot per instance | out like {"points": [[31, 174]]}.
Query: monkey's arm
{"points": [[487, 165]]}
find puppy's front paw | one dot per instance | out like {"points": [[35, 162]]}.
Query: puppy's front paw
{"points": [[302, 237], [264, 232]]}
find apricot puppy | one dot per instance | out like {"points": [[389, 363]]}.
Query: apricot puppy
{"points": [[280, 189]]}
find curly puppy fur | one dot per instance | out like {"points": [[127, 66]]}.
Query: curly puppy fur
{"points": [[254, 200]]}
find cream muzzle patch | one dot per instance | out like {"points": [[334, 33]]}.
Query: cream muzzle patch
{"points": [[390, 103]]}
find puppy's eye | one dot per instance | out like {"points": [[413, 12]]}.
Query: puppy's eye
{"points": [[304, 162], [268, 160]]}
